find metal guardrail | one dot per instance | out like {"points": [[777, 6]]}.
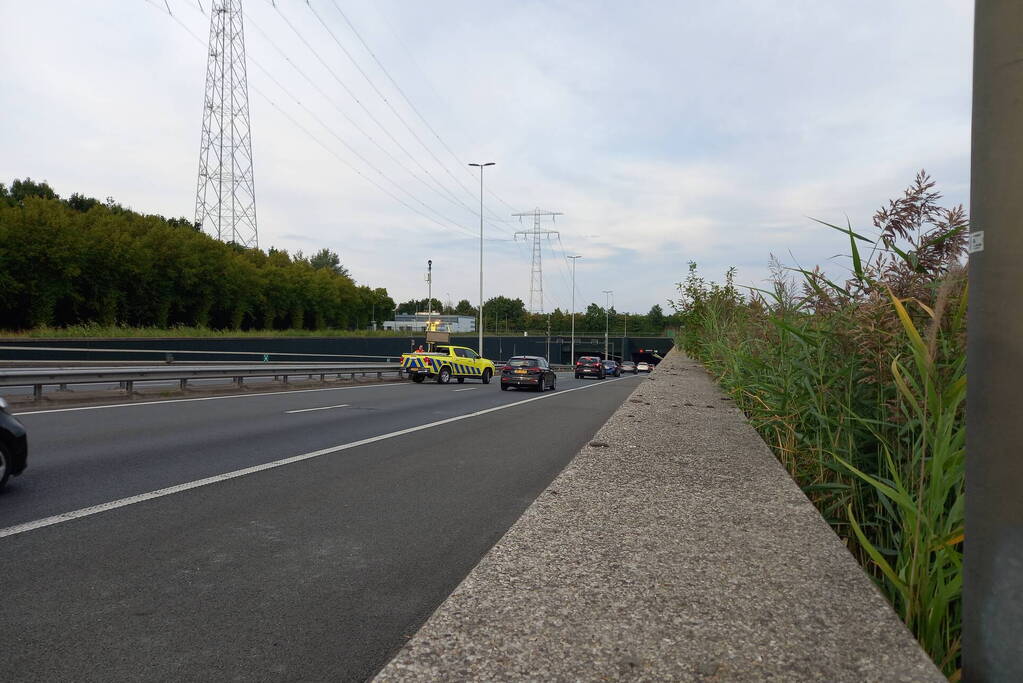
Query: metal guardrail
{"points": [[168, 354], [37, 378]]}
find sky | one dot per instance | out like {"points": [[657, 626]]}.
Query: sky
{"points": [[664, 132]]}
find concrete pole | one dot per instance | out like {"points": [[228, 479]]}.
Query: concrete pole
{"points": [[993, 565]]}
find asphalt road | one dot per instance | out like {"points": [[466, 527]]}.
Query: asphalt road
{"points": [[336, 521]]}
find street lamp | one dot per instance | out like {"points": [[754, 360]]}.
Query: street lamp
{"points": [[607, 312], [480, 323], [572, 361]]}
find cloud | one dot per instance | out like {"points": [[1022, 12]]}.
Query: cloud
{"points": [[665, 132]]}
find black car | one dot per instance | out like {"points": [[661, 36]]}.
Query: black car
{"points": [[612, 368], [589, 366], [13, 445], [629, 366], [531, 372]]}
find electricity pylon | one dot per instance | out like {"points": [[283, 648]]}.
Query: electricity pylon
{"points": [[225, 201], [536, 272]]}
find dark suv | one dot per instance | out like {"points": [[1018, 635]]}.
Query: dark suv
{"points": [[13, 445], [589, 366]]}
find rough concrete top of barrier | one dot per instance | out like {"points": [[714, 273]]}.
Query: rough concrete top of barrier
{"points": [[674, 546]]}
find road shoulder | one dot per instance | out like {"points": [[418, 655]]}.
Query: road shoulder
{"points": [[674, 546]]}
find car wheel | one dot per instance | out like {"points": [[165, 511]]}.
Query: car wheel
{"points": [[418, 379], [461, 380], [578, 376], [539, 384], [504, 387], [487, 374], [554, 383], [444, 376], [5, 466]]}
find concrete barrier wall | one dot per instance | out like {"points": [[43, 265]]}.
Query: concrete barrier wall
{"points": [[673, 547]]}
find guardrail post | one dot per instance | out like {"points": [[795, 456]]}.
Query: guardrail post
{"points": [[284, 379], [63, 387], [183, 384], [120, 385], [129, 387], [37, 392], [323, 378], [353, 376], [238, 381], [380, 375]]}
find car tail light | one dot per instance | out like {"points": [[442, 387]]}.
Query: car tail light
{"points": [[506, 368], [578, 363]]}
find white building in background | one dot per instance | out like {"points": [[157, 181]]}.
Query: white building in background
{"points": [[417, 322]]}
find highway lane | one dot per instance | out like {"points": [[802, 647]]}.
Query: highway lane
{"points": [[79, 458], [317, 569]]}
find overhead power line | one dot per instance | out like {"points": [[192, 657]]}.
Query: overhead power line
{"points": [[411, 105], [388, 104], [468, 232], [364, 108]]}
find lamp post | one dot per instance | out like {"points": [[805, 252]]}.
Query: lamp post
{"points": [[429, 293], [480, 324], [607, 313], [572, 355]]}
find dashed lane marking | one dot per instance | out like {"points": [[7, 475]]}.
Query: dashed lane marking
{"points": [[180, 488]]}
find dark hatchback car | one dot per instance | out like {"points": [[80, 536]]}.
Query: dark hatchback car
{"points": [[13, 445], [629, 366], [532, 372], [612, 368], [589, 366]]}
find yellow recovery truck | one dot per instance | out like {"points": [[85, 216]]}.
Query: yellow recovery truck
{"points": [[444, 362]]}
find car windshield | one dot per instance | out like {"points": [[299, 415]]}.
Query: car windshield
{"points": [[522, 362], [589, 360]]}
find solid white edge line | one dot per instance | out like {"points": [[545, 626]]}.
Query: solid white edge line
{"points": [[466, 389], [209, 398], [179, 488], [309, 410]]}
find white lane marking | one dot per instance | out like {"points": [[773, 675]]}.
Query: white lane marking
{"points": [[467, 389], [309, 410], [210, 398], [179, 488]]}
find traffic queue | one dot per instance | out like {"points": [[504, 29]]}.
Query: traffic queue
{"points": [[442, 363]]}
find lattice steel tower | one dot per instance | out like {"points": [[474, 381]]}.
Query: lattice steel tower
{"points": [[536, 272], [225, 201]]}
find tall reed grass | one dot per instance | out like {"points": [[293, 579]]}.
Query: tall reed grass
{"points": [[859, 388]]}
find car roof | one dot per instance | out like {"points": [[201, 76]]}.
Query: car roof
{"points": [[530, 357]]}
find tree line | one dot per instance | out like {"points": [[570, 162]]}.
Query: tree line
{"points": [[505, 315], [78, 260]]}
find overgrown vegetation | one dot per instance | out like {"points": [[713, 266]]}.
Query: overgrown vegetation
{"points": [[859, 388], [79, 261]]}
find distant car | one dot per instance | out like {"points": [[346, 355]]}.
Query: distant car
{"points": [[643, 366], [612, 368], [589, 366], [13, 445], [629, 366], [531, 372]]}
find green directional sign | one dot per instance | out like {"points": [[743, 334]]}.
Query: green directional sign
{"points": [[266, 357]]}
